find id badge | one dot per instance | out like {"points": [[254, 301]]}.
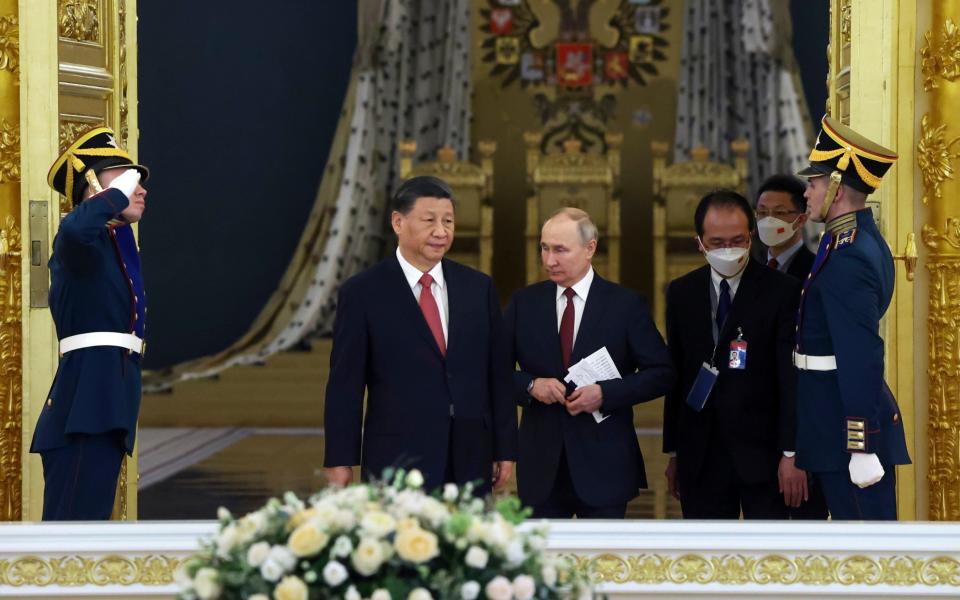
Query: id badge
{"points": [[738, 352], [702, 386]]}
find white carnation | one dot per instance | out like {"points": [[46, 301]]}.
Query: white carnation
{"points": [[206, 584], [223, 514], [419, 593], [381, 594], [524, 587], [334, 573], [352, 594], [271, 571], [344, 519], [257, 553], [499, 588], [283, 557], [342, 547], [477, 557], [259, 597], [515, 553], [227, 540], [549, 574], [414, 480], [470, 590], [450, 492]]}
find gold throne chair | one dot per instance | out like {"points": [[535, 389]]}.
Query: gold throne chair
{"points": [[574, 178], [472, 187], [677, 189]]}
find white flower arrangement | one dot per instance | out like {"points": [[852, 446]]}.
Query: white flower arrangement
{"points": [[383, 541]]}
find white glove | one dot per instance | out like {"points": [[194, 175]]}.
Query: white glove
{"points": [[865, 469], [127, 182]]}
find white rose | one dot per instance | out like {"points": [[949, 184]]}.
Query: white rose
{"points": [[342, 547], [470, 590], [227, 540], [524, 587], [207, 583], [334, 573], [283, 557], [435, 512], [381, 594], [450, 492], [352, 594], [477, 557], [271, 571], [378, 523], [308, 539], [250, 526], [419, 593], [549, 574], [515, 553], [258, 553], [344, 519], [499, 588], [368, 557], [291, 588], [414, 480]]}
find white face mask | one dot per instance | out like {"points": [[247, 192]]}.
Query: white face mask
{"points": [[727, 261], [773, 232]]}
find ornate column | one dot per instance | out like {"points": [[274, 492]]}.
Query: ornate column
{"points": [[938, 147], [11, 397]]}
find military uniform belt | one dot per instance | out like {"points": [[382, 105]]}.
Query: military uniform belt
{"points": [[101, 338], [814, 363]]}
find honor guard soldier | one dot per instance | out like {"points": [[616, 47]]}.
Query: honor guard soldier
{"points": [[89, 419], [849, 427]]}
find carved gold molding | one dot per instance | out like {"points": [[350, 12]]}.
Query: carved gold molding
{"points": [[941, 59], [80, 20], [933, 239], [124, 109], [11, 370], [846, 31], [9, 45], [772, 569], [9, 151], [152, 570], [934, 156]]}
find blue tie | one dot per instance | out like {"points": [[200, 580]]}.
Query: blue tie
{"points": [[723, 304]]}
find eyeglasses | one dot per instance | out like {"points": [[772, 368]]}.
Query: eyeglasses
{"points": [[778, 213]]}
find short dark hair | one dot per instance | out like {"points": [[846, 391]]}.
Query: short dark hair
{"points": [[789, 184], [723, 199], [422, 186]]}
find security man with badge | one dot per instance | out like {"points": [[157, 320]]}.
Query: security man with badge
{"points": [[849, 427], [98, 304]]}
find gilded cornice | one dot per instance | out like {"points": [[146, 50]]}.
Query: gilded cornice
{"points": [[941, 59], [773, 569], [72, 571], [9, 151], [79, 20]]}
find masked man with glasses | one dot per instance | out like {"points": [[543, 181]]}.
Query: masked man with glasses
{"points": [[781, 215], [729, 422]]}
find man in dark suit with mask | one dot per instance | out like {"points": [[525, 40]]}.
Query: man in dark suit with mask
{"points": [[569, 463], [729, 423], [781, 215], [422, 335]]}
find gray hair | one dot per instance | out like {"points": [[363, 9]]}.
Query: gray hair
{"points": [[585, 226]]}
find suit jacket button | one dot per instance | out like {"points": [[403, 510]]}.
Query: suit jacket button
{"points": [[49, 402]]}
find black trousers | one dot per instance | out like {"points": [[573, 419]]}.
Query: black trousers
{"points": [[815, 508], [847, 502], [719, 492], [563, 503], [80, 479]]}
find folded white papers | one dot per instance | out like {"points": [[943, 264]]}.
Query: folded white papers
{"points": [[599, 366]]}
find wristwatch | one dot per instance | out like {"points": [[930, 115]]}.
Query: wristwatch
{"points": [[530, 385]]}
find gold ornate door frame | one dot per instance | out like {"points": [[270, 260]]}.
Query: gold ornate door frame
{"points": [[81, 72]]}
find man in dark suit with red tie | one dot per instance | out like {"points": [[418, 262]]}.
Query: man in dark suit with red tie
{"points": [[422, 335], [781, 215], [571, 463]]}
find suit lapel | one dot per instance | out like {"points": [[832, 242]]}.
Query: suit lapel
{"points": [[550, 327], [746, 291], [701, 307], [457, 299], [407, 303], [589, 321]]}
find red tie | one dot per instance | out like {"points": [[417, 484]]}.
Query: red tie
{"points": [[566, 328], [772, 263], [428, 304]]}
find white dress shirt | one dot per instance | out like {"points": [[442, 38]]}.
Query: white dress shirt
{"points": [[438, 288], [783, 261], [581, 289]]}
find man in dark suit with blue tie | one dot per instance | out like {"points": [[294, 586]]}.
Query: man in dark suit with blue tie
{"points": [[570, 462], [98, 304], [423, 336]]}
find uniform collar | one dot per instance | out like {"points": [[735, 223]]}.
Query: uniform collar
{"points": [[842, 223]]}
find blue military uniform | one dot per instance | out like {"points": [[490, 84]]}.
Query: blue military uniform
{"points": [[844, 405], [89, 419]]}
